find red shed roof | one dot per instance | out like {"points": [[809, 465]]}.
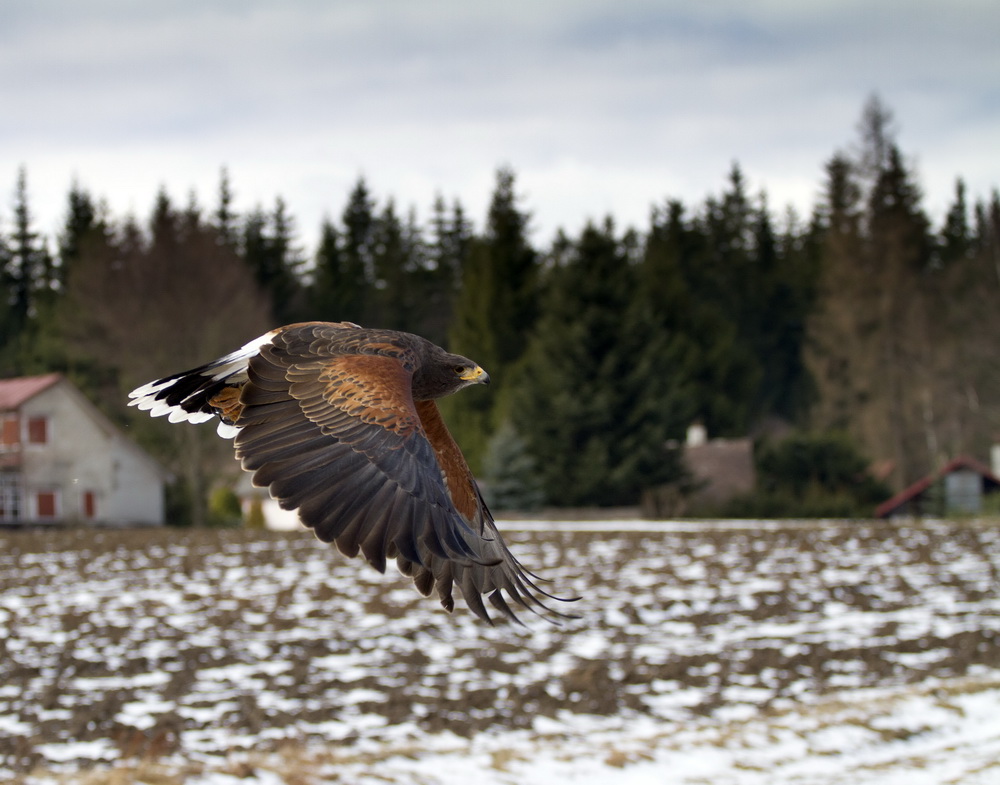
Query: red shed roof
{"points": [[14, 392], [961, 462]]}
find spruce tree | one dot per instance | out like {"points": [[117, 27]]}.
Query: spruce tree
{"points": [[498, 303], [85, 233], [286, 287], [338, 290], [494, 313], [394, 303], [449, 244], [164, 225], [591, 406], [31, 264], [225, 220], [358, 222], [435, 264], [955, 242], [29, 278], [7, 321], [81, 223], [269, 250], [510, 474], [784, 287], [687, 293]]}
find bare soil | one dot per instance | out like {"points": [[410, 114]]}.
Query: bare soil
{"points": [[147, 644]]}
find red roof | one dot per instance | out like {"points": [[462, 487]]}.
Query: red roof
{"points": [[14, 392], [961, 462]]}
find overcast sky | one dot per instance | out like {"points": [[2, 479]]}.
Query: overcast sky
{"points": [[599, 106]]}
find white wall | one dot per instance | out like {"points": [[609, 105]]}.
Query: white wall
{"points": [[85, 452]]}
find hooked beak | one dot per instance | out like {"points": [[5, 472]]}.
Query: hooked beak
{"points": [[477, 375]]}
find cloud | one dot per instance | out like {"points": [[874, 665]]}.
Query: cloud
{"points": [[599, 106]]}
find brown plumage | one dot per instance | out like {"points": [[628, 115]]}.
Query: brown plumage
{"points": [[340, 423]]}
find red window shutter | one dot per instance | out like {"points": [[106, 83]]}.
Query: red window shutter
{"points": [[11, 430], [89, 504], [46, 501], [38, 430]]}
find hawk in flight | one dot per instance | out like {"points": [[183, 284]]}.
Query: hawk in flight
{"points": [[340, 423]]}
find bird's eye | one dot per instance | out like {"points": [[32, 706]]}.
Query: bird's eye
{"points": [[460, 369]]}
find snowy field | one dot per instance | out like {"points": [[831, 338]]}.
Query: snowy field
{"points": [[744, 653]]}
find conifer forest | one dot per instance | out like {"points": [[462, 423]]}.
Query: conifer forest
{"points": [[864, 335]]}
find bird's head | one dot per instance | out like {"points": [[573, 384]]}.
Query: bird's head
{"points": [[442, 373]]}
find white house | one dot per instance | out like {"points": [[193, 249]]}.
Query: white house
{"points": [[62, 460]]}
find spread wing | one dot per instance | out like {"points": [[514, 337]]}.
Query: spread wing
{"points": [[338, 436]]}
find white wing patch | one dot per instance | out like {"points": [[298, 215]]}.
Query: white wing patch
{"points": [[227, 431], [232, 368]]}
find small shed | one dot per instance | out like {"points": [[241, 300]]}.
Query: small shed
{"points": [[721, 470], [957, 488], [718, 471], [63, 461]]}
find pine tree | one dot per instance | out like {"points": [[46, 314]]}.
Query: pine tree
{"points": [[31, 263], [338, 291], [269, 250], [956, 236], [494, 313], [394, 304], [29, 278], [593, 420], [191, 220], [285, 288], [82, 221], [510, 474], [689, 345], [164, 225], [449, 243], [85, 233], [7, 322], [689, 286], [757, 281], [358, 222], [226, 221], [498, 302], [786, 271], [436, 262], [725, 276]]}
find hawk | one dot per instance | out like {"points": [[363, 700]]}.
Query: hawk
{"points": [[340, 423]]}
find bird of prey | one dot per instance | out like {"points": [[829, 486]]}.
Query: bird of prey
{"points": [[340, 423]]}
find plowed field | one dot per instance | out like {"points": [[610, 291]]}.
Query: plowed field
{"points": [[188, 654]]}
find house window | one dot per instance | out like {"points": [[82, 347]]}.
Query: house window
{"points": [[45, 504], [10, 435], [89, 504], [38, 430], [10, 496]]}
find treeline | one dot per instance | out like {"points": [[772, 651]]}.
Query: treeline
{"points": [[861, 320]]}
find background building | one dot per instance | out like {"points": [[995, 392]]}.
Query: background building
{"points": [[63, 461]]}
